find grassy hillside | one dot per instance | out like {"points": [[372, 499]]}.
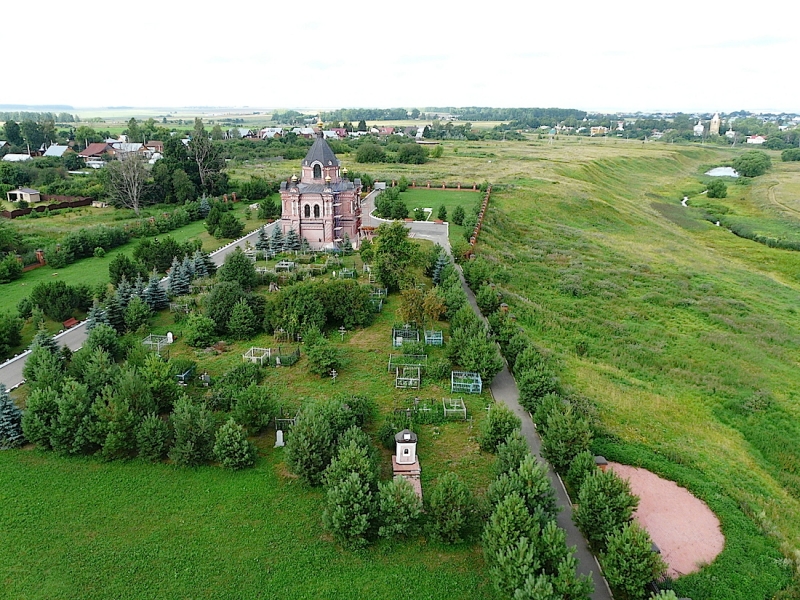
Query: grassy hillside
{"points": [[684, 335]]}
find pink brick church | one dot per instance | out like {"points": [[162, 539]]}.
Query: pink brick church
{"points": [[322, 206]]}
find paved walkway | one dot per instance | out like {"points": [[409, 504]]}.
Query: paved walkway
{"points": [[504, 389], [11, 371]]}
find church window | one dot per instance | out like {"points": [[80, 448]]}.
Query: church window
{"points": [[317, 172], [316, 211], [307, 211]]}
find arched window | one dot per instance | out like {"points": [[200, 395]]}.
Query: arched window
{"points": [[317, 172], [316, 211], [307, 211]]}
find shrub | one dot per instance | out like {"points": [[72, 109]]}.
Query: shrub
{"points": [[200, 330], [323, 356], [566, 436], [499, 424], [370, 153], [438, 369], [605, 504], [717, 189], [399, 508], [58, 300], [153, 438], [790, 154], [752, 163], [10, 268], [629, 563], [450, 507], [232, 448]]}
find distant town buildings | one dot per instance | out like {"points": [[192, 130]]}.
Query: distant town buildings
{"points": [[699, 129]]}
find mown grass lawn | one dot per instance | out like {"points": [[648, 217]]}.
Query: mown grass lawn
{"points": [[78, 528]]}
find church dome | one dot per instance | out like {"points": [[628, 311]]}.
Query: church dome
{"points": [[320, 152]]}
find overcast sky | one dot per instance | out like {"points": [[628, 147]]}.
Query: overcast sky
{"points": [[612, 56]]}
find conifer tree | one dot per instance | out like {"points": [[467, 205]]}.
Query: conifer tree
{"points": [[173, 278], [40, 416], [276, 241], [232, 448], [242, 324], [305, 247], [154, 295], [205, 207], [115, 314], [347, 245], [124, 291], [10, 422], [292, 241], [97, 315], [200, 269], [262, 243], [138, 287], [441, 262], [187, 266], [44, 365]]}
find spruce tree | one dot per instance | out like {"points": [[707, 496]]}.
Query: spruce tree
{"points": [[292, 241], [97, 315], [10, 422], [124, 291], [262, 243], [205, 207], [347, 245], [154, 294], [305, 247], [187, 266], [115, 314], [40, 416], [138, 287], [200, 270], [276, 241], [174, 278]]}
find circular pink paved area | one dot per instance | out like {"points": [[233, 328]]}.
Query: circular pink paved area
{"points": [[683, 527]]}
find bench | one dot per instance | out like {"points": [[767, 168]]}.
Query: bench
{"points": [[71, 322]]}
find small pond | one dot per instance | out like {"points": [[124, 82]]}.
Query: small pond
{"points": [[722, 172]]}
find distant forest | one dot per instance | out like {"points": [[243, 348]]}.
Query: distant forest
{"points": [[37, 116]]}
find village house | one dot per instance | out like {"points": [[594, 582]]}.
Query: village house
{"points": [[17, 157], [756, 139], [57, 151], [96, 151], [269, 133]]}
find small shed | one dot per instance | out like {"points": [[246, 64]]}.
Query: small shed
{"points": [[25, 194]]}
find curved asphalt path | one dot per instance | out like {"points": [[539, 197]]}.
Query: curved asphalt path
{"points": [[11, 370], [504, 389]]}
